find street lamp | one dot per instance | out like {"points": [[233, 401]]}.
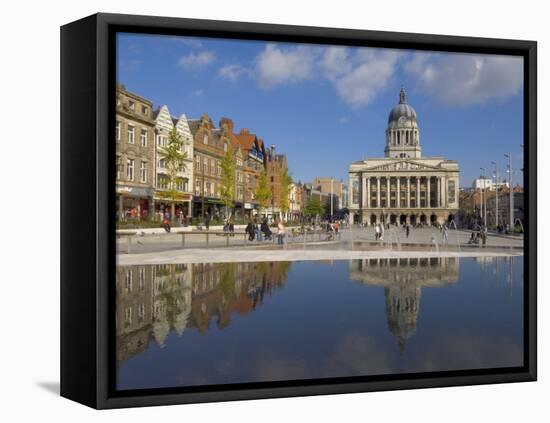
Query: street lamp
{"points": [[331, 197], [483, 197], [496, 193], [509, 156], [273, 182]]}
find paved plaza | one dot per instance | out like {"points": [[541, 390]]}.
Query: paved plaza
{"points": [[356, 242]]}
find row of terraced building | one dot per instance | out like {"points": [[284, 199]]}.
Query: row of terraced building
{"points": [[141, 188]]}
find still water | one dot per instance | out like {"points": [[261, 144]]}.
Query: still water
{"points": [[201, 324]]}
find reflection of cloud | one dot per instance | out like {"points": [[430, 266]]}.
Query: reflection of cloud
{"points": [[465, 351], [467, 78]]}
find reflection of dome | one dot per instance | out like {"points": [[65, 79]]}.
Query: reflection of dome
{"points": [[402, 115], [402, 305]]}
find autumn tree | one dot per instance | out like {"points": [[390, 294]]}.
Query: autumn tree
{"points": [[227, 186], [174, 159]]}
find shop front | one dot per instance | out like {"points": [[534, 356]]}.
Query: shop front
{"points": [[180, 208], [133, 203]]}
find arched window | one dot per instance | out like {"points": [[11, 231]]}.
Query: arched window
{"points": [[205, 139]]}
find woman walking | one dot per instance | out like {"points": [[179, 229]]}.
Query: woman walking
{"points": [[280, 232]]}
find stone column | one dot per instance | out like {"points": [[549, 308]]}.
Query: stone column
{"points": [[408, 192], [363, 191], [388, 180], [418, 192], [368, 192], [398, 194], [444, 192], [428, 187], [378, 192], [438, 192]]}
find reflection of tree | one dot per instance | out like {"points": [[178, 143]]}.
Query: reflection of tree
{"points": [[403, 280], [178, 297]]}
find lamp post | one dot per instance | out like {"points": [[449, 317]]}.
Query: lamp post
{"points": [[496, 193], [511, 189], [331, 198], [483, 198], [273, 182]]}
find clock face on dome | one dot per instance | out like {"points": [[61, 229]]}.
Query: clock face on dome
{"points": [[402, 120]]}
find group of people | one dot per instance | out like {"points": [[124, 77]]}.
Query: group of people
{"points": [[262, 231]]}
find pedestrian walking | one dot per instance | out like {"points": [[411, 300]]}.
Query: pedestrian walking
{"points": [[207, 221], [382, 231], [280, 232], [265, 229], [408, 230], [250, 230], [376, 232], [445, 234]]}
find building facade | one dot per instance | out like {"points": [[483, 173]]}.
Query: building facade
{"points": [[183, 201], [135, 151], [403, 187]]}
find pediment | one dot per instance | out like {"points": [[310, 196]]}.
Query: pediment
{"points": [[398, 165]]}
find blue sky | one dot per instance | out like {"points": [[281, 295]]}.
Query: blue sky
{"points": [[325, 107]]}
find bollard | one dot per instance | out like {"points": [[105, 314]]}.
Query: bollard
{"points": [[129, 238]]}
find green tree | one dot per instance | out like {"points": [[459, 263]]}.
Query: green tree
{"points": [[262, 193], [314, 207], [285, 181], [174, 159], [227, 187]]}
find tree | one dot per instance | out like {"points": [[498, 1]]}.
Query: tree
{"points": [[174, 159], [285, 181], [314, 207], [227, 187], [262, 193]]}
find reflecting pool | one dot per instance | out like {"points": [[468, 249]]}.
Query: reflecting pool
{"points": [[201, 324]]}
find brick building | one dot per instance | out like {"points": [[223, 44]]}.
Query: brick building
{"points": [[135, 149]]}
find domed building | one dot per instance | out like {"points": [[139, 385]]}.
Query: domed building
{"points": [[403, 187]]}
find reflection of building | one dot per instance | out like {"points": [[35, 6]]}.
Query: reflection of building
{"points": [[164, 124], [154, 300], [403, 289], [134, 155], [403, 186]]}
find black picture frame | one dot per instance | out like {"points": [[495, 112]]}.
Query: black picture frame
{"points": [[87, 195]]}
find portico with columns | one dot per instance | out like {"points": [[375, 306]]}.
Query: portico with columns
{"points": [[403, 187]]}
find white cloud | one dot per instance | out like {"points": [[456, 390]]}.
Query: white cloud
{"points": [[195, 60], [335, 62], [275, 66], [368, 73], [232, 72], [463, 79], [196, 93]]}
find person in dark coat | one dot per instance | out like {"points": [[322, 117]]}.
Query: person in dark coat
{"points": [[251, 230], [264, 227]]}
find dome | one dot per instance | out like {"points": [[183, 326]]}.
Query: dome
{"points": [[402, 115]]}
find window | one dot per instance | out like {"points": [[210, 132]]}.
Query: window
{"points": [[212, 167], [143, 137], [130, 134], [143, 172], [130, 169], [162, 164], [118, 167], [128, 315], [132, 104], [198, 164], [225, 147], [180, 185], [162, 182], [161, 140], [205, 139], [117, 136], [141, 312], [206, 188], [213, 189], [197, 187], [205, 166], [128, 281], [144, 110], [219, 168], [141, 278]]}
